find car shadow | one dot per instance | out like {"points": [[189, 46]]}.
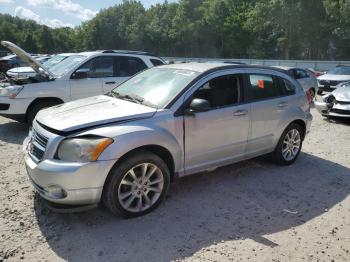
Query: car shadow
{"points": [[338, 121], [13, 132], [251, 200]]}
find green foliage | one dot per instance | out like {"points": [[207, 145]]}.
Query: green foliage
{"points": [[275, 29]]}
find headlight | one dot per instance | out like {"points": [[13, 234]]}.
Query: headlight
{"points": [[11, 91], [83, 149]]}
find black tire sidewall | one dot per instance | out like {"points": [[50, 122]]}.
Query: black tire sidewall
{"points": [[36, 108], [110, 192], [277, 155]]}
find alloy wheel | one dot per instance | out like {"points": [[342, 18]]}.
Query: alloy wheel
{"points": [[291, 145], [140, 187]]}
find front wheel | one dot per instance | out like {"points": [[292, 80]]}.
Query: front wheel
{"points": [[137, 185], [289, 145]]}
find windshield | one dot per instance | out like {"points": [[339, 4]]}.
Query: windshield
{"points": [[344, 70], [157, 86], [66, 65], [54, 60]]}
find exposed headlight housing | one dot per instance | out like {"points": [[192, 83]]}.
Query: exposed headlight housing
{"points": [[82, 149], [11, 91]]}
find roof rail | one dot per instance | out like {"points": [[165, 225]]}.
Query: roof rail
{"points": [[126, 52]]}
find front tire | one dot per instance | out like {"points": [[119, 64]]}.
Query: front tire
{"points": [[137, 185], [33, 111], [289, 145]]}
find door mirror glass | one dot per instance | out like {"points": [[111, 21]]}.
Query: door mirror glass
{"points": [[198, 105], [80, 74]]}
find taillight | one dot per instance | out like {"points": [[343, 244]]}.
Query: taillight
{"points": [[308, 96]]}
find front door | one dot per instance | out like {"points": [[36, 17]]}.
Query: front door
{"points": [[97, 70], [219, 135]]}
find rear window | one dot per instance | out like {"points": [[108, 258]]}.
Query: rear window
{"points": [[261, 87], [156, 62]]}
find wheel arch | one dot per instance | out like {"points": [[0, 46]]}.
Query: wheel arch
{"points": [[302, 124], [55, 100]]}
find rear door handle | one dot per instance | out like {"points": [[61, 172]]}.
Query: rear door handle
{"points": [[240, 113], [282, 105], [110, 83]]}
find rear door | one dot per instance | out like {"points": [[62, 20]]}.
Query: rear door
{"points": [[124, 68], [97, 69], [268, 105]]}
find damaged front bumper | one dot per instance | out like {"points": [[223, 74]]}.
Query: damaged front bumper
{"points": [[336, 109]]}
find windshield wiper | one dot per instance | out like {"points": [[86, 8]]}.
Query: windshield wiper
{"points": [[132, 98]]}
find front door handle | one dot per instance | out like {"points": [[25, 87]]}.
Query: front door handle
{"points": [[240, 113], [110, 83], [282, 105]]}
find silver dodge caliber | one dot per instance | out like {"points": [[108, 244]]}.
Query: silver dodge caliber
{"points": [[123, 148]]}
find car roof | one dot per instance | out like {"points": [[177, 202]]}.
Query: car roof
{"points": [[205, 67], [123, 52]]}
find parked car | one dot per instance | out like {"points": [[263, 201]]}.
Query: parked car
{"points": [[27, 71], [174, 120], [306, 79], [78, 76], [337, 103], [315, 72], [329, 81], [10, 61]]}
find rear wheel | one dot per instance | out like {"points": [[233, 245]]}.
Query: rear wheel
{"points": [[137, 185], [289, 145], [33, 111]]}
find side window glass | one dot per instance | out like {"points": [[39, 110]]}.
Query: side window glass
{"points": [[156, 62], [221, 91], [287, 87], [261, 87], [98, 67], [300, 74], [128, 66]]}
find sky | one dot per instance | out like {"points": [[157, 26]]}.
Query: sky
{"points": [[60, 13]]}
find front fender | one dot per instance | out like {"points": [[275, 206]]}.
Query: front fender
{"points": [[130, 137]]}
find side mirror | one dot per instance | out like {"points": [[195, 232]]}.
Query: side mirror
{"points": [[80, 74], [198, 105]]}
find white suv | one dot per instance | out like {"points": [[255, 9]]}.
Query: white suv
{"points": [[79, 76]]}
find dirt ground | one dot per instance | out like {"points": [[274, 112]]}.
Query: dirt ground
{"points": [[251, 211]]}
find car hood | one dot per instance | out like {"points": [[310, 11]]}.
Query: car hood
{"points": [[342, 94], [334, 77], [25, 57], [23, 69], [91, 112]]}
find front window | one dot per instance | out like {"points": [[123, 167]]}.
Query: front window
{"points": [[67, 65], [343, 70], [156, 86]]}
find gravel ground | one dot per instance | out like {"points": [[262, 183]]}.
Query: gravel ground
{"points": [[251, 211]]}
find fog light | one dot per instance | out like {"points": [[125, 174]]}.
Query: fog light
{"points": [[56, 192]]}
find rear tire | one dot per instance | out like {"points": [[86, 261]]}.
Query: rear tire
{"points": [[289, 145], [137, 185], [33, 111]]}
